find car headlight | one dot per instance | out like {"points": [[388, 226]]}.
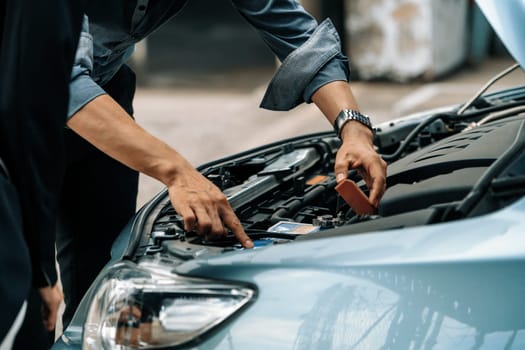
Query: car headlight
{"points": [[139, 308]]}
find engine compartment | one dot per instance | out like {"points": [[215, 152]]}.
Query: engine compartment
{"points": [[284, 192]]}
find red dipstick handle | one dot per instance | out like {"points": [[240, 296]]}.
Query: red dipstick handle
{"points": [[354, 197]]}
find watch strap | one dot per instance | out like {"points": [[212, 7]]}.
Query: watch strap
{"points": [[347, 115]]}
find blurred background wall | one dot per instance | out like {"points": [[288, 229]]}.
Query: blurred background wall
{"points": [[207, 37]]}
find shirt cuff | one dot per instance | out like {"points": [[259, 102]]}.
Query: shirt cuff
{"points": [[315, 63], [81, 91], [335, 70]]}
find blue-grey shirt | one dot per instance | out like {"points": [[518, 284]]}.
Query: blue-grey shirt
{"points": [[310, 53]]}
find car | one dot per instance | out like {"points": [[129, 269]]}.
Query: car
{"points": [[439, 265]]}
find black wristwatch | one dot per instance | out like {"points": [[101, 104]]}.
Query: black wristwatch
{"points": [[347, 115]]}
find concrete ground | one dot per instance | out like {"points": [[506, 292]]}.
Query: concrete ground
{"points": [[217, 115]]}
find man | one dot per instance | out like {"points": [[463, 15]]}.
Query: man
{"points": [[99, 195], [37, 45]]}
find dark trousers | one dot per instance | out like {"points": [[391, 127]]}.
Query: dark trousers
{"points": [[15, 268], [98, 199], [37, 44], [32, 334]]}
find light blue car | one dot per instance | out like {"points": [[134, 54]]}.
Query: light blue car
{"points": [[440, 266]]}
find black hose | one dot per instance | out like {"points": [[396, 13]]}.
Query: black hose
{"points": [[447, 117], [395, 156], [296, 204]]}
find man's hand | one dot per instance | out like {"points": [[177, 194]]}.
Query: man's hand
{"points": [[357, 152], [204, 207], [51, 299]]}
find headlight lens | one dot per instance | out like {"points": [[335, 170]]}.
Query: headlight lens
{"points": [[136, 308]]}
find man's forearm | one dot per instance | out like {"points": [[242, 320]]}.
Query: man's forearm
{"points": [[205, 209], [357, 150], [103, 123], [334, 97], [331, 99]]}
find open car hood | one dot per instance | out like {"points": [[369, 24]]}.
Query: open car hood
{"points": [[507, 19]]}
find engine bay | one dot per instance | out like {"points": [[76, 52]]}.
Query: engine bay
{"points": [[441, 168]]}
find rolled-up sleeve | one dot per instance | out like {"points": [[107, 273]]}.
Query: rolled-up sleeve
{"points": [[82, 88], [310, 53]]}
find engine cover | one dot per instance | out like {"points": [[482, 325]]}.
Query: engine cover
{"points": [[447, 170]]}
